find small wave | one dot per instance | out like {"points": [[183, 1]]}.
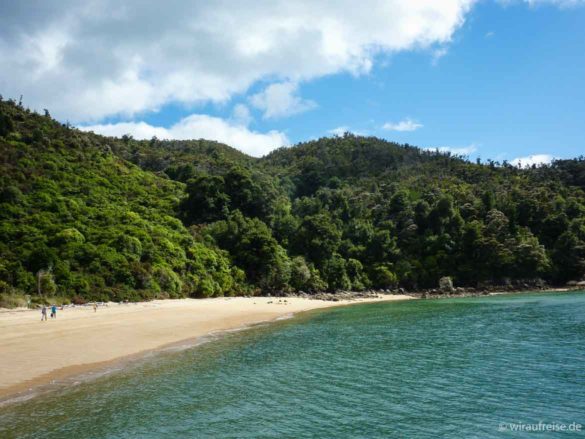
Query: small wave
{"points": [[287, 316], [21, 397]]}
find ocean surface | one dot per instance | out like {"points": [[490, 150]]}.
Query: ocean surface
{"points": [[460, 368]]}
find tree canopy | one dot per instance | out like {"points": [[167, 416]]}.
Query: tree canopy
{"points": [[125, 219]]}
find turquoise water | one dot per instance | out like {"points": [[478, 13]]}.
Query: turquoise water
{"points": [[419, 369]]}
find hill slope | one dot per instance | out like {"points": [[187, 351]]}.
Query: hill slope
{"points": [[122, 218], [104, 227]]}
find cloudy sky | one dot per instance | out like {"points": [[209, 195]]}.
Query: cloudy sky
{"points": [[500, 79]]}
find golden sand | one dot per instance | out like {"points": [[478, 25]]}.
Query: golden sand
{"points": [[34, 353]]}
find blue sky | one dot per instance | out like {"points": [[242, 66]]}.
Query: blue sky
{"points": [[499, 80]]}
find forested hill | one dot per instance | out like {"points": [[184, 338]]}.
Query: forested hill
{"points": [[99, 226], [106, 218]]}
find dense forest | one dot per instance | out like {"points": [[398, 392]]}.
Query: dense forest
{"points": [[88, 217]]}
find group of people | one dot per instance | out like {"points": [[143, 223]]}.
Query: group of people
{"points": [[54, 311], [44, 312]]}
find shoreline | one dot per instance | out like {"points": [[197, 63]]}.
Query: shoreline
{"points": [[79, 373], [434, 294], [224, 314], [36, 355]]}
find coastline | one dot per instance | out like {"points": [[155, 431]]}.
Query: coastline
{"points": [[34, 354]]}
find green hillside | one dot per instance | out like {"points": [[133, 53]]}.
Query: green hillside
{"points": [[127, 219], [103, 226]]}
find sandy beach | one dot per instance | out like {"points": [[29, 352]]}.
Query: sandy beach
{"points": [[34, 353]]}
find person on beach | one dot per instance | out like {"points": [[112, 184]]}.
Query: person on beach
{"points": [[44, 313], [54, 312], [94, 306]]}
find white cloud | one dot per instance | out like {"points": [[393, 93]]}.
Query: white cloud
{"points": [[88, 60], [536, 159], [404, 125], [559, 3], [489, 34], [465, 150], [200, 126], [241, 115], [339, 131], [438, 54], [280, 100]]}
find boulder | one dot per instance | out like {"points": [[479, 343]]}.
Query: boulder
{"points": [[446, 284]]}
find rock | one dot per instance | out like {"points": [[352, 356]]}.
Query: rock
{"points": [[446, 284]]}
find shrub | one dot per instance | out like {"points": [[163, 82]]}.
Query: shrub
{"points": [[383, 277], [71, 235], [12, 301], [300, 273], [10, 194], [78, 300]]}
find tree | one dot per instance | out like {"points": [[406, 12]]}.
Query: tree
{"points": [[355, 272], [253, 248], [383, 277], [6, 125], [399, 202], [422, 210], [300, 273], [568, 256], [530, 258], [318, 238], [45, 282], [335, 273], [11, 194], [136, 219], [383, 247], [244, 194], [206, 200], [497, 225]]}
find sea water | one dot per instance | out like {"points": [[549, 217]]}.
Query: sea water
{"points": [[499, 366]]}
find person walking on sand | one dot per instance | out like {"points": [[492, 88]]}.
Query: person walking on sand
{"points": [[94, 306], [44, 313], [54, 312]]}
